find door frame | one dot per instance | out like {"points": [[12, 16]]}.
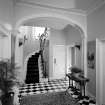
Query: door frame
{"points": [[99, 71]]}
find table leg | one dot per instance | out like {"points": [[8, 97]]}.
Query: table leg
{"points": [[69, 83], [72, 83], [80, 89], [84, 89]]}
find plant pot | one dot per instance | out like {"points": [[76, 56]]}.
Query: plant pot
{"points": [[7, 99]]}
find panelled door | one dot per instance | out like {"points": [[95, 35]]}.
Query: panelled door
{"points": [[59, 61]]}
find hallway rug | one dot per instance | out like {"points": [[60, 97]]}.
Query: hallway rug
{"points": [[52, 98]]}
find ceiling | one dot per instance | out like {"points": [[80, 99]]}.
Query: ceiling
{"points": [[83, 5]]}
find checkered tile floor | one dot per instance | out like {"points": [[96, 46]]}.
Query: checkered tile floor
{"points": [[53, 86], [57, 85]]}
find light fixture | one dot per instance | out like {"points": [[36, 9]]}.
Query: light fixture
{"points": [[23, 31], [77, 45]]}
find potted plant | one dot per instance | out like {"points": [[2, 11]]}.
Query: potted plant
{"points": [[7, 81]]}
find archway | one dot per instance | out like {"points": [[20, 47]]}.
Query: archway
{"points": [[71, 22]]}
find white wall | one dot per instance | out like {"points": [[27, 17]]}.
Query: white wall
{"points": [[72, 35], [96, 24], [6, 12], [19, 61], [5, 47], [95, 29], [6, 19]]}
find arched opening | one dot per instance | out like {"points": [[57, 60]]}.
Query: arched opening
{"points": [[32, 74], [35, 21]]}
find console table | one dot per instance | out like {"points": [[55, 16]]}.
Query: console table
{"points": [[78, 79]]}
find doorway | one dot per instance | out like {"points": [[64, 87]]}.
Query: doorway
{"points": [[73, 57], [59, 61]]}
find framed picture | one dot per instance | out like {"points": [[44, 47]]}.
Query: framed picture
{"points": [[91, 54]]}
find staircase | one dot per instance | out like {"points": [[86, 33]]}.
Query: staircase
{"points": [[32, 75]]}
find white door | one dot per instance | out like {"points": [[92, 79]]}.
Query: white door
{"points": [[100, 72], [59, 62]]}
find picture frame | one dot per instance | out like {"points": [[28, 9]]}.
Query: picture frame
{"points": [[91, 54]]}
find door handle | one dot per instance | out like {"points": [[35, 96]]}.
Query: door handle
{"points": [[54, 60]]}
